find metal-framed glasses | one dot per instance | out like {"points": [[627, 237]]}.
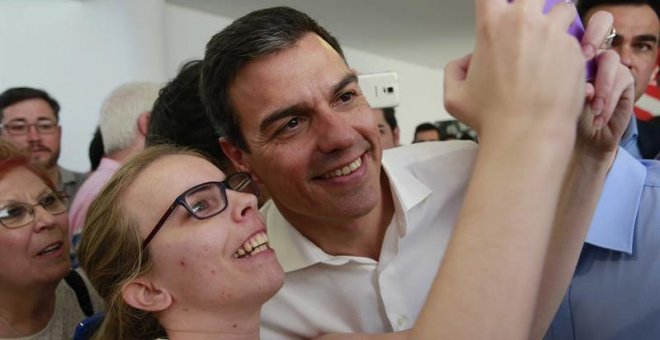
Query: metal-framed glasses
{"points": [[18, 214], [207, 199], [19, 128]]}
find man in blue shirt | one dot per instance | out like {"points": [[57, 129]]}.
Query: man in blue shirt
{"points": [[614, 292], [637, 24]]}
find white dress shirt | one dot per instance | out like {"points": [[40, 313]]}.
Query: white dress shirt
{"points": [[325, 293]]}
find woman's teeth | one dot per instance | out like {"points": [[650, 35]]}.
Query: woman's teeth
{"points": [[253, 246]]}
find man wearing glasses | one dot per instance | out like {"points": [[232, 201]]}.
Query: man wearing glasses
{"points": [[29, 119]]}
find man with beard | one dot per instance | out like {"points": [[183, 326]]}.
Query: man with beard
{"points": [[29, 118]]}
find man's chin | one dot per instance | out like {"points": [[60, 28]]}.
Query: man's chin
{"points": [[43, 161]]}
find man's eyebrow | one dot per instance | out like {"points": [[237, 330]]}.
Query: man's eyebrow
{"points": [[294, 109], [277, 115], [18, 120], [646, 37], [348, 79]]}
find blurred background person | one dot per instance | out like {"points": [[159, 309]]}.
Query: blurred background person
{"points": [[30, 120], [637, 24], [179, 118], [123, 123], [387, 127], [426, 132], [95, 150]]}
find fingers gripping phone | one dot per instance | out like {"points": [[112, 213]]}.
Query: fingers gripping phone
{"points": [[380, 89], [576, 29]]}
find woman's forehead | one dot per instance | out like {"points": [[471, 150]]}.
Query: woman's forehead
{"points": [[171, 175], [21, 184]]}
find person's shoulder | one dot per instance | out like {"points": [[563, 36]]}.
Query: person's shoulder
{"points": [[71, 175], [429, 151]]}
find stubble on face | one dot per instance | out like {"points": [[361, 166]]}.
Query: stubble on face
{"points": [[44, 149]]}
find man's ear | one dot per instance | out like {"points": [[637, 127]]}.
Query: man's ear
{"points": [[141, 294], [143, 123], [235, 154]]}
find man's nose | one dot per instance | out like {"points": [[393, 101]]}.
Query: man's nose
{"points": [[625, 55], [335, 131], [33, 133]]}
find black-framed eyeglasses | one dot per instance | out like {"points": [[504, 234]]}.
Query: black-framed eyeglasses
{"points": [[18, 214], [19, 128], [207, 199]]}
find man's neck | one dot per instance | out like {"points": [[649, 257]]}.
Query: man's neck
{"points": [[124, 155], [362, 236], [54, 175]]}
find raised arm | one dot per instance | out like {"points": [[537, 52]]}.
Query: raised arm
{"points": [[526, 113], [600, 129]]}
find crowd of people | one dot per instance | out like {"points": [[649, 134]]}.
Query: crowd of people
{"points": [[250, 196]]}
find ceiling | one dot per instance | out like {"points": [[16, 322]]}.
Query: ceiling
{"points": [[414, 31]]}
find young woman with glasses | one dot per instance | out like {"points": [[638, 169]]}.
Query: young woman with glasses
{"points": [[35, 301]]}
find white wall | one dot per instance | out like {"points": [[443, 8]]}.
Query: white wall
{"points": [[188, 30], [78, 51]]}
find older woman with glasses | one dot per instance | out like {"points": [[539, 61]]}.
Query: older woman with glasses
{"points": [[35, 301]]}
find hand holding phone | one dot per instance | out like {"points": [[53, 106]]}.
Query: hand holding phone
{"points": [[576, 29], [380, 89]]}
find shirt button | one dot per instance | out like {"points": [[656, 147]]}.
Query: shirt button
{"points": [[402, 320]]}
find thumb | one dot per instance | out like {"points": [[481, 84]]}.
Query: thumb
{"points": [[455, 74]]}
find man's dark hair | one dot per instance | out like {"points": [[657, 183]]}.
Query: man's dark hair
{"points": [[18, 94], [178, 117], [427, 127], [584, 6], [388, 113], [96, 150], [252, 36]]}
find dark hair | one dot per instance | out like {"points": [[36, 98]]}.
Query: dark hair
{"points": [[95, 150], [18, 94], [388, 113], [252, 36], [584, 6], [178, 117], [427, 127]]}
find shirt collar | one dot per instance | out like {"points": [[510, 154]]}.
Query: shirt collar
{"points": [[631, 132], [407, 190], [108, 164], [613, 224], [295, 251]]}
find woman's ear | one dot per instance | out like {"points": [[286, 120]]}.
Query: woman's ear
{"points": [[141, 293]]}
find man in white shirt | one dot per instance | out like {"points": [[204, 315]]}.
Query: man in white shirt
{"points": [[359, 237]]}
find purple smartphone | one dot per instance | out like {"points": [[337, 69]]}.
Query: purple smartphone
{"points": [[576, 29]]}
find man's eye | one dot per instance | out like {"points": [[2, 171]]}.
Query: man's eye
{"points": [[643, 47], [17, 127], [346, 97], [46, 126], [292, 123]]}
